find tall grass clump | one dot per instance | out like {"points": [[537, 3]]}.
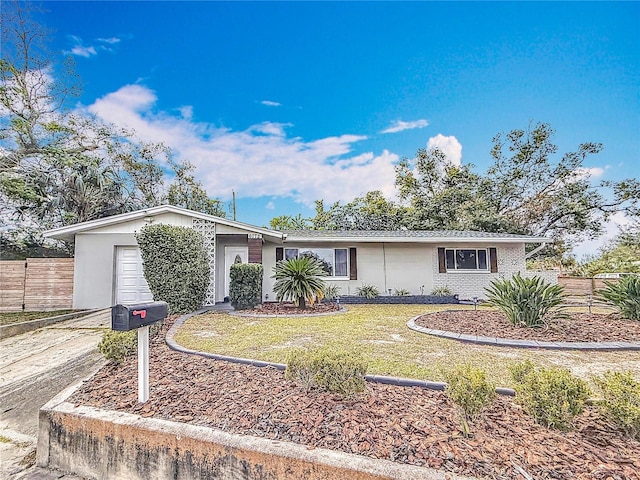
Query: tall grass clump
{"points": [[624, 295]]}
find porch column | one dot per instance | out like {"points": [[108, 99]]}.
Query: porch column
{"points": [[208, 231], [255, 248]]}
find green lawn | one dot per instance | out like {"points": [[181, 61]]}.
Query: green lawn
{"points": [[381, 334], [7, 318]]}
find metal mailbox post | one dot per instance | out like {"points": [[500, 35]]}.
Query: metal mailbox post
{"points": [[139, 316]]}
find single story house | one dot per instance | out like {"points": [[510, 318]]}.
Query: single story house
{"points": [[108, 266]]}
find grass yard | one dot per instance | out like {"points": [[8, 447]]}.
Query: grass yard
{"points": [[381, 334], [7, 318]]}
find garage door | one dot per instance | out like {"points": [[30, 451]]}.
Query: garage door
{"points": [[131, 287]]}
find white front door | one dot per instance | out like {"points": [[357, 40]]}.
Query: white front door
{"points": [[131, 286], [233, 255]]}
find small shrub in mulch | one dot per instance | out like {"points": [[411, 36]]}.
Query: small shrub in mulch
{"points": [[331, 371], [470, 390], [621, 401], [552, 396]]}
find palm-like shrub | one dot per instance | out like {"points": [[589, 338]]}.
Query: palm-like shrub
{"points": [[625, 295], [368, 291], [529, 302], [299, 280]]}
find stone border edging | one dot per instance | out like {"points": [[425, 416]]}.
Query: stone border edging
{"points": [[234, 313], [18, 328], [507, 342], [397, 381]]}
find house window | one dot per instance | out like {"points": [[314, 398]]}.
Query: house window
{"points": [[334, 260], [466, 259]]}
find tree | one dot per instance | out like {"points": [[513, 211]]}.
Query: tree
{"points": [[187, 192], [60, 166], [287, 222], [371, 212], [527, 190]]}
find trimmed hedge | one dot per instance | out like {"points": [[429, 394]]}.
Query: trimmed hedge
{"points": [[175, 265], [245, 286]]}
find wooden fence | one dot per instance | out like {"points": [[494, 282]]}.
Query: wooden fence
{"points": [[583, 286], [36, 284]]}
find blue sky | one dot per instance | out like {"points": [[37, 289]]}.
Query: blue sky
{"points": [[290, 102]]}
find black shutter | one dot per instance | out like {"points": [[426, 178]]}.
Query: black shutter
{"points": [[442, 261], [353, 264], [279, 253], [493, 259]]}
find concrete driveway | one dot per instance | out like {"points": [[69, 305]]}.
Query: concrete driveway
{"points": [[34, 367]]}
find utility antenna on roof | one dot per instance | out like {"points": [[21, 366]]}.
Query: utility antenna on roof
{"points": [[233, 194]]}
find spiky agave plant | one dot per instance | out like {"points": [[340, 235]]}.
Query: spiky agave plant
{"points": [[625, 295], [529, 302], [299, 280]]}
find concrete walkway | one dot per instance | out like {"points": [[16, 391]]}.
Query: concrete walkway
{"points": [[34, 367]]}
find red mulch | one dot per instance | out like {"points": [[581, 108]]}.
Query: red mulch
{"points": [[287, 308], [408, 425], [579, 327]]}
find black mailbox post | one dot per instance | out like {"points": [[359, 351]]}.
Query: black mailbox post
{"points": [[139, 317], [130, 317]]}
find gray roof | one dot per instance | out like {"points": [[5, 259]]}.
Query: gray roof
{"points": [[407, 235]]}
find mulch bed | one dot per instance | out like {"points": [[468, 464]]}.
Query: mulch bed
{"points": [[288, 309], [579, 327], [408, 425]]}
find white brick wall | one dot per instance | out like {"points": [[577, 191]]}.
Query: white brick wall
{"points": [[511, 260]]}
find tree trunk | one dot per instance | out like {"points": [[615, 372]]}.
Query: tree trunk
{"points": [[302, 303]]}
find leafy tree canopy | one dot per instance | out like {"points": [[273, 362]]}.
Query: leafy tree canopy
{"points": [[60, 166]]}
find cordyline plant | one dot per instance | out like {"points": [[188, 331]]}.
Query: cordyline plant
{"points": [[528, 302], [299, 280], [625, 295]]}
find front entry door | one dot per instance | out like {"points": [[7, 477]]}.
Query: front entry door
{"points": [[233, 255]]}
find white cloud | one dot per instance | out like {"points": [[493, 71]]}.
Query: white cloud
{"points": [[81, 51], [260, 160], [270, 206], [186, 111], [110, 41], [611, 229], [270, 103], [592, 172], [399, 126], [450, 146]]}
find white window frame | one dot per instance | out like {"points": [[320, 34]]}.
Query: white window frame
{"points": [[467, 270], [288, 253]]}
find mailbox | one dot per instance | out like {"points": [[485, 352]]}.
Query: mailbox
{"points": [[130, 317]]}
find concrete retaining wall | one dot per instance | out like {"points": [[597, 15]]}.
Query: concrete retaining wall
{"points": [[102, 444]]}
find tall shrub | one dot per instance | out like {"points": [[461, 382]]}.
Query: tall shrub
{"points": [[625, 295], [245, 286], [527, 302], [175, 265]]}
